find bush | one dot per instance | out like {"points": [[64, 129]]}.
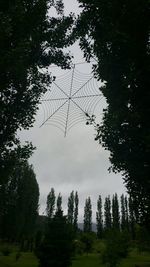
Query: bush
{"points": [[142, 238], [5, 251], [117, 245], [87, 239], [56, 249], [18, 255], [79, 247]]}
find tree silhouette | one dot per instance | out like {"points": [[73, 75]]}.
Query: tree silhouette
{"points": [[107, 213], [59, 203], [71, 208], [30, 41], [50, 203], [76, 200], [87, 226], [19, 204], [57, 246], [118, 37], [115, 212], [99, 218]]}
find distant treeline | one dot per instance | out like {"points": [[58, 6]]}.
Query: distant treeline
{"points": [[114, 213], [20, 221]]}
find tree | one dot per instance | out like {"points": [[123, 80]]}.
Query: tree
{"points": [[19, 204], [142, 238], [124, 213], [59, 203], [50, 203], [30, 41], [115, 212], [107, 214], [117, 36], [132, 218], [57, 246], [76, 200], [127, 211], [71, 208], [87, 239], [87, 226], [9, 159], [117, 246], [99, 218], [123, 216]]}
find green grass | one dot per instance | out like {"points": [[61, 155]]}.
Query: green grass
{"points": [[91, 260], [26, 260], [135, 258]]}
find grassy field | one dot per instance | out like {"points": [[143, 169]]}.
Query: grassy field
{"points": [[134, 259], [90, 260], [26, 260]]}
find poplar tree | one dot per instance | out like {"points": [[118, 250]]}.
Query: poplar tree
{"points": [[132, 218], [107, 213], [71, 207], [99, 218], [124, 212], [50, 203], [123, 215], [76, 200], [59, 203], [115, 212], [87, 226], [127, 212]]}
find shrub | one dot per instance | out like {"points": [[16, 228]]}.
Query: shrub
{"points": [[5, 251], [117, 245], [87, 240], [56, 249]]}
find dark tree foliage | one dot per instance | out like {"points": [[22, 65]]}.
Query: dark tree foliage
{"points": [[127, 211], [87, 225], [132, 217], [107, 214], [116, 33], [50, 205], [30, 41], [124, 212], [87, 240], [76, 207], [10, 158], [117, 247], [57, 247], [59, 203], [115, 212], [73, 203], [71, 208], [142, 238], [99, 218], [19, 204], [123, 215]]}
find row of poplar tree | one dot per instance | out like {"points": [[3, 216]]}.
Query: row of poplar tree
{"points": [[114, 213], [19, 199]]}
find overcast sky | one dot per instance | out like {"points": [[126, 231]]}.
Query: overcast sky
{"points": [[75, 162]]}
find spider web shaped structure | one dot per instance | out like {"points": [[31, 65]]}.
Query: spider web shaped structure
{"points": [[72, 96]]}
